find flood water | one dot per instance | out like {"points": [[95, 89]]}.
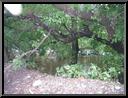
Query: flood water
{"points": [[84, 60]]}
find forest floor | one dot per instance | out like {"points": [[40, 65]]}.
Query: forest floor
{"points": [[25, 81]]}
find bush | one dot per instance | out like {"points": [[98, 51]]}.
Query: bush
{"points": [[72, 71], [94, 72], [32, 65], [113, 73], [18, 63]]}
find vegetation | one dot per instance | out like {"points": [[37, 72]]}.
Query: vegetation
{"points": [[59, 34], [93, 72]]}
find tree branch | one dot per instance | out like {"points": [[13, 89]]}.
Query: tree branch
{"points": [[30, 52], [72, 12], [68, 38], [87, 16]]}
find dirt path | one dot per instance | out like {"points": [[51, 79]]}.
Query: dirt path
{"points": [[26, 81]]}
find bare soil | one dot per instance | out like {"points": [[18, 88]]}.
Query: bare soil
{"points": [[25, 81]]}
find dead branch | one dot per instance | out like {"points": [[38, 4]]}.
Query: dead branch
{"points": [[30, 52]]}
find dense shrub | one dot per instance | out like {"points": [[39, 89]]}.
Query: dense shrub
{"points": [[94, 72]]}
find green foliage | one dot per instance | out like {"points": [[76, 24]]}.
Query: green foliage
{"points": [[71, 71], [84, 42], [113, 60], [104, 76], [63, 51], [94, 72], [22, 35], [32, 65], [113, 72], [16, 37], [18, 63]]}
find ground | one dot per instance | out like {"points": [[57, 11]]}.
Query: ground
{"points": [[25, 81]]}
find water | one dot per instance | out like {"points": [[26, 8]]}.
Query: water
{"points": [[51, 65]]}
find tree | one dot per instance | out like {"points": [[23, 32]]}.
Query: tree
{"points": [[101, 22]]}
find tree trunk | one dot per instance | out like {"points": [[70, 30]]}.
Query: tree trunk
{"points": [[75, 42], [74, 51]]}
